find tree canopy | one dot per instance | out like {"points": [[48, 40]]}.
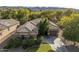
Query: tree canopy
{"points": [[71, 27], [43, 27]]}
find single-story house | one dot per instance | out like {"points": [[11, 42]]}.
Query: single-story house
{"points": [[27, 30], [31, 28], [7, 28]]}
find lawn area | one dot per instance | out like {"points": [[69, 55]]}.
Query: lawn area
{"points": [[43, 47]]}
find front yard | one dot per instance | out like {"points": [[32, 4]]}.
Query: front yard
{"points": [[43, 47], [30, 45]]}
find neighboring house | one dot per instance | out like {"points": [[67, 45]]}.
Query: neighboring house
{"points": [[7, 28], [27, 30], [54, 19], [31, 28]]}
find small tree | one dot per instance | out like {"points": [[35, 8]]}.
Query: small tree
{"points": [[43, 27], [64, 21], [58, 15], [68, 12], [22, 15]]}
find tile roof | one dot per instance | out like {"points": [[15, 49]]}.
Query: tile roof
{"points": [[36, 21], [22, 29], [31, 26], [5, 23], [8, 22], [27, 27], [2, 27]]}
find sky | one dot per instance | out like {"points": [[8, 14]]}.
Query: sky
{"points": [[41, 3]]}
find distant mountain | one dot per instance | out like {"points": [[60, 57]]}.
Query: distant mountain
{"points": [[45, 8], [36, 8]]}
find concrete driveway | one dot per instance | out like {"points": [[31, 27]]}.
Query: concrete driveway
{"points": [[55, 43]]}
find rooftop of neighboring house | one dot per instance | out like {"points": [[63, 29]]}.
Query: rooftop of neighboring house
{"points": [[27, 27], [5, 23], [36, 21], [53, 26], [8, 22], [32, 26]]}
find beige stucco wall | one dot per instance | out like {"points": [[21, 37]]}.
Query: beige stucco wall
{"points": [[7, 32]]}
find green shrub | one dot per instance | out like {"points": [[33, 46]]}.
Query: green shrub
{"points": [[13, 43], [17, 43], [28, 43], [25, 44], [38, 42], [8, 46]]}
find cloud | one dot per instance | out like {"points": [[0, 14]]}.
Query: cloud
{"points": [[46, 3]]}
